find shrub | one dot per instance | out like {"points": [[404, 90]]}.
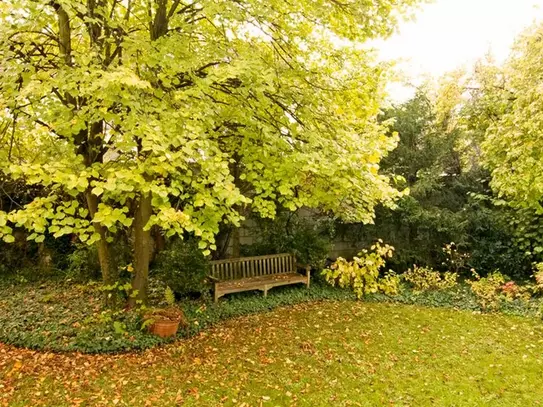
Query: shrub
{"points": [[308, 240], [30, 261], [496, 288], [538, 276], [362, 274], [83, 263], [487, 289], [492, 242], [455, 260], [426, 279], [183, 268], [510, 290]]}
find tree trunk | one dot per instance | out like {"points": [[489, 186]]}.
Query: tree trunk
{"points": [[236, 244], [158, 242], [142, 251], [44, 257], [223, 242], [64, 33], [107, 265], [235, 170]]}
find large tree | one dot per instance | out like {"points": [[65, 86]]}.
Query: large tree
{"points": [[512, 99], [179, 115]]}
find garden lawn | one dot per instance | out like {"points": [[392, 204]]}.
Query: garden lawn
{"points": [[317, 354]]}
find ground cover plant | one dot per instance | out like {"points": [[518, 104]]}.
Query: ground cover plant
{"points": [[63, 316], [318, 354]]}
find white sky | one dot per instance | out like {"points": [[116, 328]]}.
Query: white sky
{"points": [[449, 34]]}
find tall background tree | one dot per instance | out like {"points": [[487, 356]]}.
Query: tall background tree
{"points": [[133, 115], [439, 159], [513, 144], [503, 112]]}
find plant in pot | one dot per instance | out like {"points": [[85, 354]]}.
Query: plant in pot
{"points": [[165, 321]]}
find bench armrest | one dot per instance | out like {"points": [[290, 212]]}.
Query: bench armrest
{"points": [[213, 279]]}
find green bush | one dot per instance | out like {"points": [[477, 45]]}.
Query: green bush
{"points": [[493, 244], [183, 268], [450, 200], [362, 273], [83, 263], [494, 289], [33, 261], [308, 239], [427, 279]]}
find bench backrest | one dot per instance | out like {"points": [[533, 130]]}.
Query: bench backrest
{"points": [[244, 267]]}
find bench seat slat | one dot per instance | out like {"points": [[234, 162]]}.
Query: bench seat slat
{"points": [[257, 281]]}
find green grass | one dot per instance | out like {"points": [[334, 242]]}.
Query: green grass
{"points": [[332, 353]]}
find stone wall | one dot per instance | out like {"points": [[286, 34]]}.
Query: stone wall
{"points": [[341, 247]]}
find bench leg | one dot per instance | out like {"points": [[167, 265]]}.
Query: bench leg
{"points": [[308, 273], [215, 294], [265, 291]]}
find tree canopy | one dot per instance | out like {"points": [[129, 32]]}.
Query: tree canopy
{"points": [[510, 98], [132, 114]]}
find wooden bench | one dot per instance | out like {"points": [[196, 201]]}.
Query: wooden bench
{"points": [[256, 273]]}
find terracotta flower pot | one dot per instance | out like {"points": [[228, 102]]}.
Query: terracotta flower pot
{"points": [[165, 322], [164, 328]]}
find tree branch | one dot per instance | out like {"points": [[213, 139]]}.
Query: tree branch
{"points": [[64, 33]]}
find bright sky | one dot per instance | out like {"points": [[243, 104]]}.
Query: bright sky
{"points": [[449, 34]]}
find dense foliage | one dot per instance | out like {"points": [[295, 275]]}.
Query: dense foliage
{"points": [[502, 116], [308, 238], [362, 273], [183, 268], [513, 143], [136, 136], [450, 199], [424, 279]]}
